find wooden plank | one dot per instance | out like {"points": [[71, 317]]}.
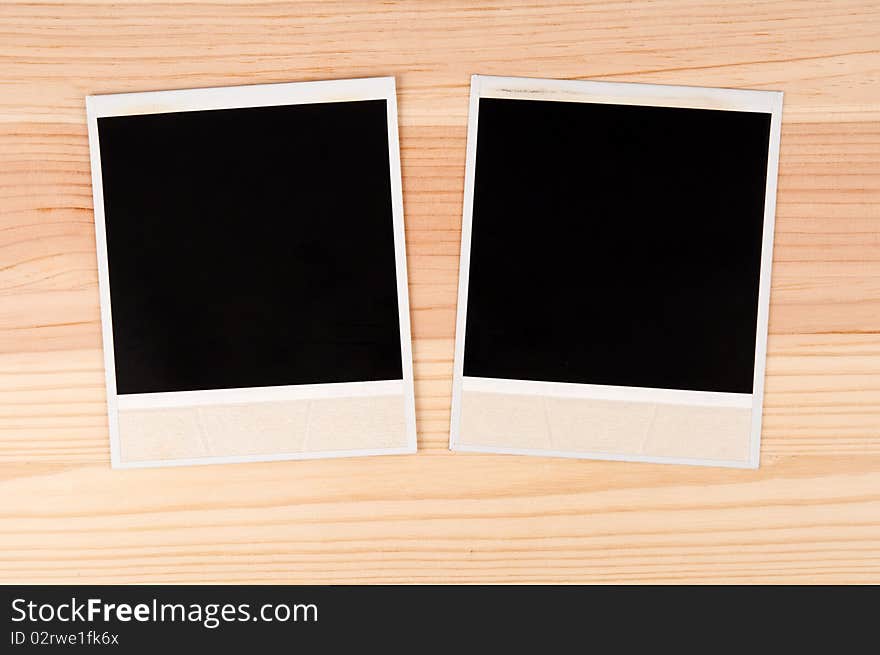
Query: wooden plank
{"points": [[811, 513]]}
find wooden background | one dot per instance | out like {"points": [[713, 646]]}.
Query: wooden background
{"points": [[810, 514]]}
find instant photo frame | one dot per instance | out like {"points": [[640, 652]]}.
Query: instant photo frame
{"points": [[614, 286], [252, 273]]}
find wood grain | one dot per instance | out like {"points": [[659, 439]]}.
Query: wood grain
{"points": [[811, 513]]}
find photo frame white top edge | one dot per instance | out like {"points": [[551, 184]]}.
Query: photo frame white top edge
{"points": [[238, 97], [628, 93]]}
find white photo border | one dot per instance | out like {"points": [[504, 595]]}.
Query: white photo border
{"points": [[235, 97], [620, 93]]}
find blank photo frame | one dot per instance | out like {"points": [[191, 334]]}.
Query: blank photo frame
{"points": [[252, 273], [614, 288]]}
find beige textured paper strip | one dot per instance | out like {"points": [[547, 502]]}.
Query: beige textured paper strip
{"points": [[575, 425], [263, 428]]}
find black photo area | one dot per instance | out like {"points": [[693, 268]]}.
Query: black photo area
{"points": [[616, 245], [251, 247]]}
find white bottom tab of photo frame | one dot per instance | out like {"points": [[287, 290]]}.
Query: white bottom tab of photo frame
{"points": [[553, 419], [263, 424]]}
